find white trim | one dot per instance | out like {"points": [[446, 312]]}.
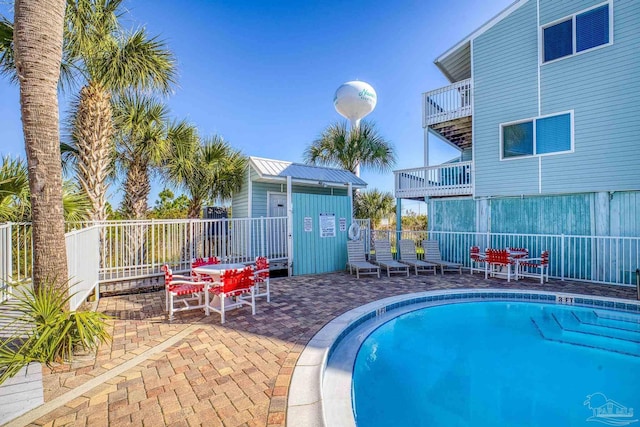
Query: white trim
{"points": [[250, 194], [485, 27], [533, 120], [473, 123], [572, 18], [289, 227], [539, 56]]}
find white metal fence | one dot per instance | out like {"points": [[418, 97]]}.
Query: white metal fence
{"points": [[5, 260], [600, 259], [83, 261]]}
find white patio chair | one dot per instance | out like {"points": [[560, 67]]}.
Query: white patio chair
{"points": [[432, 255], [384, 258], [409, 256], [357, 261], [181, 292]]}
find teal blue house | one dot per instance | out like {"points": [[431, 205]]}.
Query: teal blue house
{"points": [[305, 210], [544, 108]]}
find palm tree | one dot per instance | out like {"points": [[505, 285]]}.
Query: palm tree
{"points": [[110, 62], [205, 171], [142, 142], [14, 195], [337, 146], [37, 43], [98, 53], [375, 205]]}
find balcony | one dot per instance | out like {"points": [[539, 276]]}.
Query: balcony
{"points": [[448, 111], [450, 179]]}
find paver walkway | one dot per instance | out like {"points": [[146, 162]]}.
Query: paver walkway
{"points": [[195, 371]]}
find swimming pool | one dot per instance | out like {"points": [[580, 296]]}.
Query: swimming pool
{"points": [[322, 385], [499, 363]]}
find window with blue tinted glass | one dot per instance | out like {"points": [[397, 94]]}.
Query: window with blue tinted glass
{"points": [[558, 40], [553, 134], [517, 140], [592, 28]]}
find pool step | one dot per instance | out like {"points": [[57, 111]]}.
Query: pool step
{"points": [[551, 329], [609, 320], [570, 321]]}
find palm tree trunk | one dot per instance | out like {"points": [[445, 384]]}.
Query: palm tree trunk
{"points": [[93, 131], [136, 190], [38, 52], [195, 207]]}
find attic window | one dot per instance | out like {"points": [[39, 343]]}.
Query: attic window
{"points": [[577, 33]]}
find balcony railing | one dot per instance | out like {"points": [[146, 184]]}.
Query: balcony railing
{"points": [[447, 103], [450, 179]]}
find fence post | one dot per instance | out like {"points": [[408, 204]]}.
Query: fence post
{"points": [[153, 246], [191, 245], [562, 257], [262, 237]]}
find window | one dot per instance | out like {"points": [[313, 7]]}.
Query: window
{"points": [[588, 29], [538, 136]]}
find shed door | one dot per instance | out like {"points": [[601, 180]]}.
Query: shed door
{"points": [[312, 214], [277, 204]]}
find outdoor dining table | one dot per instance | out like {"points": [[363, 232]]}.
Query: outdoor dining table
{"points": [[215, 271], [516, 257]]}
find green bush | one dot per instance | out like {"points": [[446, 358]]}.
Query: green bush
{"points": [[40, 328]]}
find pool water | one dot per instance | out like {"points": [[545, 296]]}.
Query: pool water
{"points": [[500, 364]]}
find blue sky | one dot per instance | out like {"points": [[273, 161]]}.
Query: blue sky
{"points": [[263, 73]]}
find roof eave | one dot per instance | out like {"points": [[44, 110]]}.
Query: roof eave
{"points": [[486, 26]]}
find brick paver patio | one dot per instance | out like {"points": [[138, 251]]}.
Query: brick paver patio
{"points": [[195, 371]]}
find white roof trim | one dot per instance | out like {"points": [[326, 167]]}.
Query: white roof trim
{"points": [[486, 26]]}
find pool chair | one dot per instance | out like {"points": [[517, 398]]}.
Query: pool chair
{"points": [[357, 261], [235, 289], [384, 258], [181, 292], [432, 255], [261, 277], [408, 256], [496, 262], [541, 264], [477, 258]]}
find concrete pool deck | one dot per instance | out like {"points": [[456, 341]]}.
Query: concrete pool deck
{"points": [[195, 371]]}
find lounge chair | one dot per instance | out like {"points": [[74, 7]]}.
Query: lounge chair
{"points": [[432, 254], [385, 260], [408, 256], [357, 261]]}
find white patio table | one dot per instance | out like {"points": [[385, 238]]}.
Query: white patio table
{"points": [[215, 271]]}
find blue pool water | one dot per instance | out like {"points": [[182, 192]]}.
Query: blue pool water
{"points": [[500, 364]]}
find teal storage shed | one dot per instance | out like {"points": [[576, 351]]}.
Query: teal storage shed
{"points": [[316, 202]]}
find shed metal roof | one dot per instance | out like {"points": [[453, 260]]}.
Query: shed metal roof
{"points": [[270, 168]]}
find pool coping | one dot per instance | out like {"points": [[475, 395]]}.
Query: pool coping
{"points": [[305, 403]]}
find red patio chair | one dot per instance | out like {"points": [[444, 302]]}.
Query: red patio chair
{"points": [[181, 290], [476, 258], [237, 286], [199, 262], [496, 260], [261, 276], [541, 263]]}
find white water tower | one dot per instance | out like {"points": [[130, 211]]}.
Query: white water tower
{"points": [[354, 100]]}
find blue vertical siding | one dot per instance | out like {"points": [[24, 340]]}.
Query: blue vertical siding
{"points": [[570, 214], [313, 254], [452, 215]]}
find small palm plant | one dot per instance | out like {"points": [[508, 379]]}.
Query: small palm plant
{"points": [[40, 328]]}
